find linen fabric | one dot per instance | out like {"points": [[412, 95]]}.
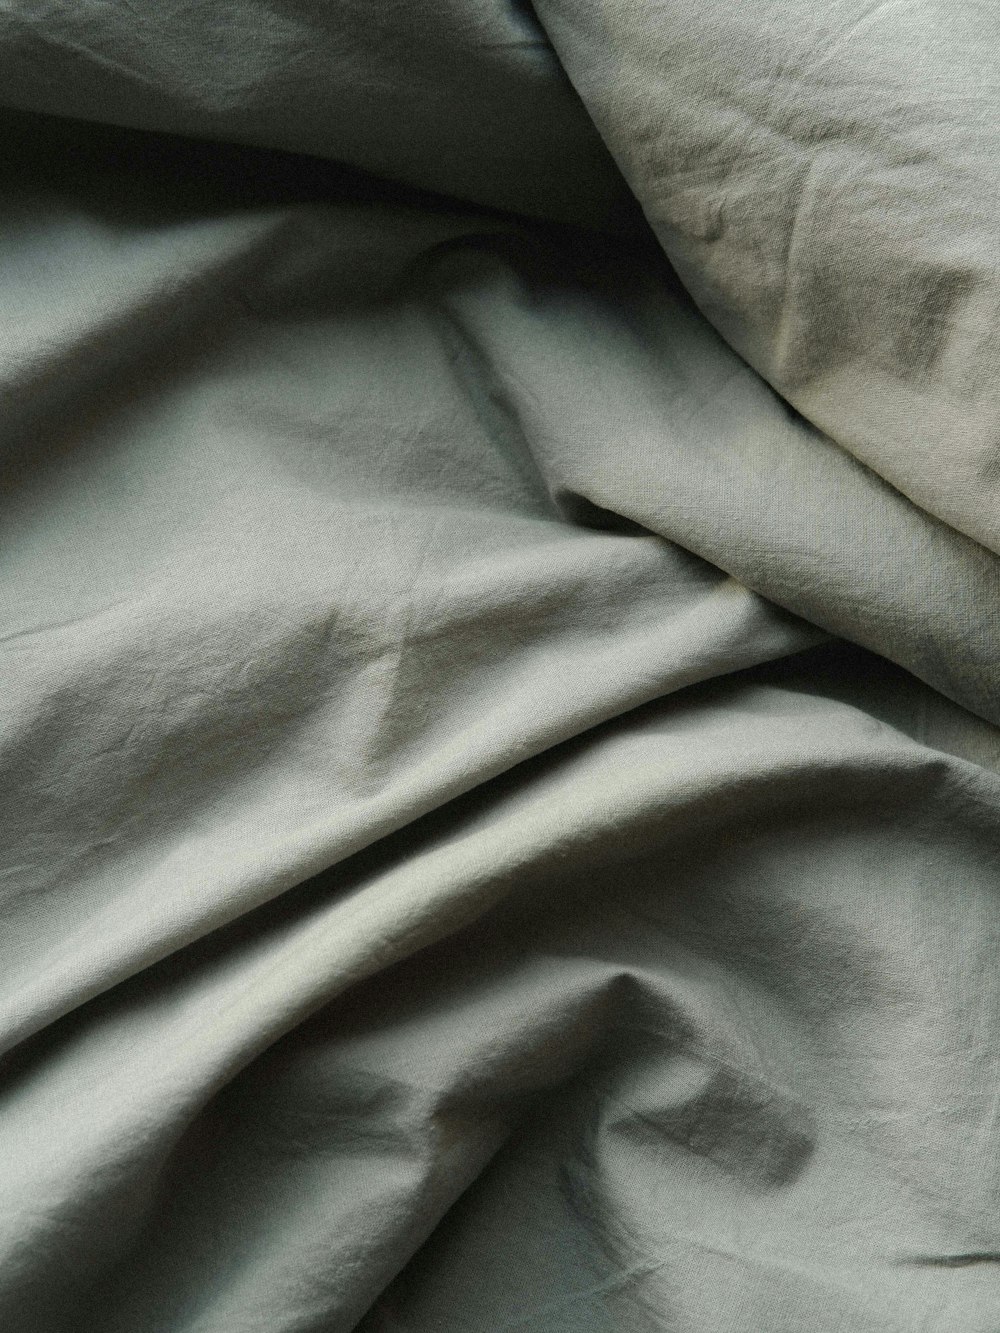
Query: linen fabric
{"points": [[499, 627]]}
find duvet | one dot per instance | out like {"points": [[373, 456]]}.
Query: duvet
{"points": [[500, 666]]}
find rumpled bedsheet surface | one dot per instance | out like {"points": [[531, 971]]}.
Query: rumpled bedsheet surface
{"points": [[500, 658]]}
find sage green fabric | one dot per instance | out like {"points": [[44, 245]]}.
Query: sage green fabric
{"points": [[825, 180], [499, 761]]}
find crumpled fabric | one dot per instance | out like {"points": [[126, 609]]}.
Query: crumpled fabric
{"points": [[499, 626]]}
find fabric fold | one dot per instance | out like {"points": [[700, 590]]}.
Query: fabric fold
{"points": [[826, 190], [499, 763]]}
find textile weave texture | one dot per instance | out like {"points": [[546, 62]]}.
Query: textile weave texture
{"points": [[500, 658]]}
